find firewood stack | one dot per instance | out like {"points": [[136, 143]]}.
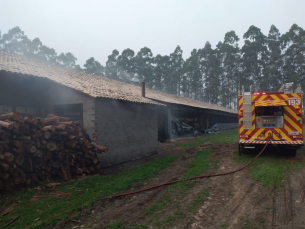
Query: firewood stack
{"points": [[33, 149]]}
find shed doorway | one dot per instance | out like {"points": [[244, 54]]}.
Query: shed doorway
{"points": [[72, 111]]}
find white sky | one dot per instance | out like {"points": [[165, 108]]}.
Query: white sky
{"points": [[93, 28]]}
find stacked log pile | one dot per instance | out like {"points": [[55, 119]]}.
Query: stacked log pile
{"points": [[33, 149]]}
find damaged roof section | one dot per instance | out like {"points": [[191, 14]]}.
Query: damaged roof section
{"points": [[92, 85], [169, 98]]}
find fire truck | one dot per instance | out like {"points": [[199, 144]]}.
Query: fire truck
{"points": [[271, 117]]}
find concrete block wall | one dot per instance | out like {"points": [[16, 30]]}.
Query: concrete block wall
{"points": [[63, 95], [129, 130]]}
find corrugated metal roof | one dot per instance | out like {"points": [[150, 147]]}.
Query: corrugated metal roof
{"points": [[95, 86], [169, 98]]}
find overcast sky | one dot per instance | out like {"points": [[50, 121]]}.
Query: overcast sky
{"points": [[93, 28]]}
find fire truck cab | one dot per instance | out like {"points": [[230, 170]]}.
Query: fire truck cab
{"points": [[271, 117]]}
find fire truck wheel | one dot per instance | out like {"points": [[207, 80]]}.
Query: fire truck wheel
{"points": [[293, 152], [246, 151], [241, 150]]}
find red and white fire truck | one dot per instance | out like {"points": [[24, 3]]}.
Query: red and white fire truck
{"points": [[271, 117]]}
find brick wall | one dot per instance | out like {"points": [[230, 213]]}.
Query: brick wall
{"points": [[129, 130]]}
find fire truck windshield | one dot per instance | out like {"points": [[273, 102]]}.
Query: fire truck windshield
{"points": [[269, 111]]}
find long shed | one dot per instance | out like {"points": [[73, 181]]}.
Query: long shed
{"points": [[113, 112], [198, 114]]}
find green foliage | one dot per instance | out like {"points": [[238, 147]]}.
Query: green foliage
{"points": [[212, 75], [143, 63], [93, 67], [251, 224], [124, 225], [197, 201], [84, 194], [157, 209], [179, 214], [228, 53], [200, 163], [161, 72], [224, 225], [17, 42], [116, 225], [269, 170]]}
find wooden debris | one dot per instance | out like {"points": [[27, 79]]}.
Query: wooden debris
{"points": [[35, 197], [6, 202], [8, 209], [14, 116], [35, 149], [52, 185], [6, 125], [101, 148]]}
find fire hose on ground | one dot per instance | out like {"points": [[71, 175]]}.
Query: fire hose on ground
{"points": [[187, 179], [172, 182]]}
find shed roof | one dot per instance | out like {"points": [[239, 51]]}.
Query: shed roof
{"points": [[170, 98], [92, 85]]}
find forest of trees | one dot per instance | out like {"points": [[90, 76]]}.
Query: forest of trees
{"points": [[209, 75]]}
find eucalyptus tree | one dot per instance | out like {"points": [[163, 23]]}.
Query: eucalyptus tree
{"points": [[125, 66], [254, 55], [228, 54], [47, 54], [144, 66], [176, 62], [14, 41], [112, 69], [224, 93], [161, 73], [273, 75], [67, 60], [77, 67], [210, 68], [192, 83], [34, 47], [293, 47], [92, 66]]}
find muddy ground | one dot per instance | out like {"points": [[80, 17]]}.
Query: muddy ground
{"points": [[232, 201]]}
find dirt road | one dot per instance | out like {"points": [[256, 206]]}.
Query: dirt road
{"points": [[289, 204], [233, 201]]}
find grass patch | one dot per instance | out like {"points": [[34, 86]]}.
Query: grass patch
{"points": [[271, 169], [121, 225], [116, 225], [179, 213], [92, 189], [224, 225], [252, 224], [199, 199], [159, 209], [199, 164], [219, 137]]}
